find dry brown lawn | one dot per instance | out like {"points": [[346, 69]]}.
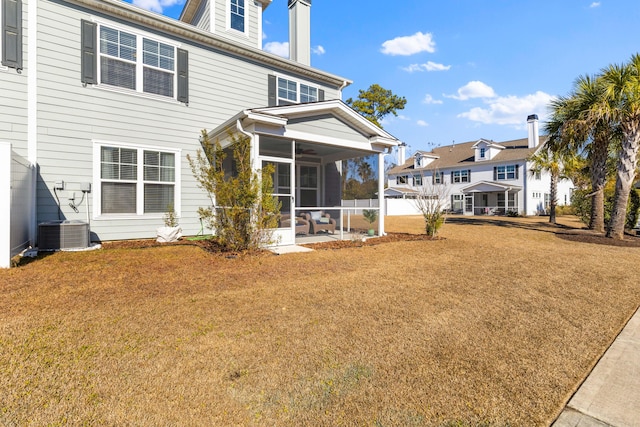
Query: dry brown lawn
{"points": [[495, 324]]}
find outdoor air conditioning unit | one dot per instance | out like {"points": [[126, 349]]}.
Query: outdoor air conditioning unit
{"points": [[54, 235]]}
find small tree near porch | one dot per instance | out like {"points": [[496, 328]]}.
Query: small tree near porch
{"points": [[431, 201], [243, 211]]}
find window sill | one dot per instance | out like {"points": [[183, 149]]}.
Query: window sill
{"points": [[117, 89], [128, 217]]}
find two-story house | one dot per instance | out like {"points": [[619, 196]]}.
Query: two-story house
{"points": [[106, 100], [480, 177]]}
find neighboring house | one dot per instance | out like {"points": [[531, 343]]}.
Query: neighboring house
{"points": [[106, 100], [480, 177]]}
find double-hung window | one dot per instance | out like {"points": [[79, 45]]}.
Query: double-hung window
{"points": [[438, 177], [120, 58], [502, 173], [402, 179], [137, 63], [292, 92], [136, 180], [417, 180], [237, 15], [460, 176]]}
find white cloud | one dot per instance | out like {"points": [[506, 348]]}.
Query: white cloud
{"points": [[428, 99], [409, 45], [429, 66], [277, 48], [474, 89], [594, 4], [318, 50], [422, 123], [510, 110], [156, 5]]}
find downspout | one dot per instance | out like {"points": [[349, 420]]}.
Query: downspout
{"points": [[344, 84], [381, 200], [32, 119]]}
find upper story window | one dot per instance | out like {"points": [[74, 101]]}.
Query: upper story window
{"points": [[417, 180], [505, 172], [402, 179], [292, 92], [460, 176], [137, 63], [438, 177], [483, 152], [237, 17]]}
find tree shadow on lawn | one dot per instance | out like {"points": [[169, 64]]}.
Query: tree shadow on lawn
{"points": [[562, 231]]}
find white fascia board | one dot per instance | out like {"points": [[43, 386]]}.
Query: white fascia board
{"points": [[335, 142]]}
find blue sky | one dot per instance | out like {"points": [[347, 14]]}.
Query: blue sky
{"points": [[469, 69]]}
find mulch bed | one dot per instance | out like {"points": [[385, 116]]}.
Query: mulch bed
{"points": [[588, 236]]}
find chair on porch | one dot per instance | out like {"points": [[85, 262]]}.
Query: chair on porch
{"points": [[301, 224], [320, 221]]}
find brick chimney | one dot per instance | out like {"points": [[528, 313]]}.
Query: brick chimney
{"points": [[300, 31], [534, 133]]}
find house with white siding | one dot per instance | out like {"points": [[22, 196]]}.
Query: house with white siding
{"points": [[104, 101], [479, 177]]}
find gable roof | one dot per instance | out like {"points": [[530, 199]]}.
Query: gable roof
{"points": [[463, 155]]}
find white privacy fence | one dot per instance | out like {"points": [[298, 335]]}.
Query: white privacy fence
{"points": [[17, 186], [394, 207]]}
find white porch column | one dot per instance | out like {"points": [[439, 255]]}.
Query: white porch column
{"points": [[506, 201], [381, 206]]}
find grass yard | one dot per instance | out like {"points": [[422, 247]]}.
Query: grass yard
{"points": [[496, 324]]}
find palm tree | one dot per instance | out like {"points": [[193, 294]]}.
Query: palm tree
{"points": [[621, 104], [555, 161], [578, 127]]}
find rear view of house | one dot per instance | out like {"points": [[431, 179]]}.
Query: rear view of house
{"points": [[105, 100]]}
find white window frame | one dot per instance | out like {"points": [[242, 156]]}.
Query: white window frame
{"points": [[505, 174], [246, 18], [483, 152], [140, 36], [438, 177], [417, 180], [402, 179], [461, 176], [140, 182], [299, 85]]}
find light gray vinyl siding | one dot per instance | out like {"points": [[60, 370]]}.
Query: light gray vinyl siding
{"points": [[327, 125], [71, 117], [202, 19], [13, 97]]}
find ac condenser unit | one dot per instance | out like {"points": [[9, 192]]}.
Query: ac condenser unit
{"points": [[54, 235]]}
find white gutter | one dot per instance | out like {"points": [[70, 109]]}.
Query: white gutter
{"points": [[181, 29]]}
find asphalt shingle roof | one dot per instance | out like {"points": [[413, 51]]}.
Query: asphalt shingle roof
{"points": [[463, 155]]}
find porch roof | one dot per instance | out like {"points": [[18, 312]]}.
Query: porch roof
{"points": [[399, 191], [332, 124], [490, 187]]}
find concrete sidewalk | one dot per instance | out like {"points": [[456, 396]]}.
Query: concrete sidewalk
{"points": [[610, 396]]}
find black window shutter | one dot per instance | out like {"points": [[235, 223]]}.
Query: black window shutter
{"points": [[452, 177], [183, 76], [469, 175], [517, 172], [12, 33], [320, 95], [495, 173], [89, 54], [273, 100]]}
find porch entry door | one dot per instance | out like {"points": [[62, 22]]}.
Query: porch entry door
{"points": [[307, 188], [283, 190], [468, 204]]}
